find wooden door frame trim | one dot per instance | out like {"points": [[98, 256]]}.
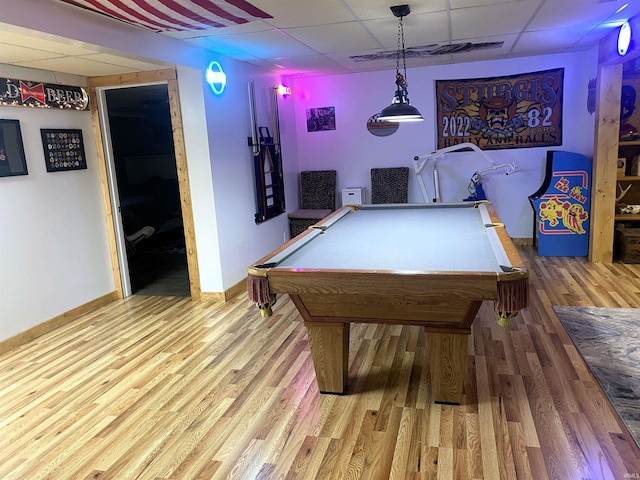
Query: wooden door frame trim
{"points": [[169, 77]]}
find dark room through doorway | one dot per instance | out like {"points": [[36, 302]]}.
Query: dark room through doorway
{"points": [[147, 184]]}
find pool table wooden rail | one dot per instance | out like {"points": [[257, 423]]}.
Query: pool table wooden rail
{"points": [[387, 297]]}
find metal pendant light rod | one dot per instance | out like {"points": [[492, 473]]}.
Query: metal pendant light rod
{"points": [[401, 11], [400, 109]]}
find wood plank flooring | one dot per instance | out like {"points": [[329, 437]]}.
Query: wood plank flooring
{"points": [[166, 388]]}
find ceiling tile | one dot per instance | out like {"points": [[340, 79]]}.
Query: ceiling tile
{"points": [[562, 14], [266, 45], [540, 41], [418, 30], [344, 59], [134, 65], [488, 53], [380, 9], [312, 65], [229, 49], [14, 53], [332, 38], [76, 66], [480, 22], [48, 45], [478, 3]]}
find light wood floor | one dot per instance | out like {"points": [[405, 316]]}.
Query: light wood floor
{"points": [[160, 388]]}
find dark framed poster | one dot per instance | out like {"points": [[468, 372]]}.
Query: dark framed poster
{"points": [[319, 119], [12, 159], [516, 111], [63, 150]]}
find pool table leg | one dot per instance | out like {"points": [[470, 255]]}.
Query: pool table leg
{"points": [[447, 362], [330, 351]]}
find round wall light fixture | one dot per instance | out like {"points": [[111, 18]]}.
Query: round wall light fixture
{"points": [[216, 78], [624, 38]]}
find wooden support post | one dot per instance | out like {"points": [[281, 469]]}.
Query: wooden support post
{"points": [[330, 351], [447, 361], [605, 160]]}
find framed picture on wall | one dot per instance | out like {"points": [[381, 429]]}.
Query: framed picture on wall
{"points": [[319, 119], [63, 150], [12, 160]]}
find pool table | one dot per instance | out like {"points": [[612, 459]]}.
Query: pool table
{"points": [[430, 265]]}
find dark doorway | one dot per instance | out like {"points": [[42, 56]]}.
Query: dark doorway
{"points": [[147, 182]]}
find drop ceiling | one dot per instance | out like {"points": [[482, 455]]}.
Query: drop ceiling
{"points": [[320, 37]]}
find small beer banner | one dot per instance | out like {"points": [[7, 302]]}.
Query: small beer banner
{"points": [[516, 111], [42, 95]]}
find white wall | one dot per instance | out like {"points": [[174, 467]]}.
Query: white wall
{"points": [[241, 240], [353, 151], [221, 171], [192, 93], [53, 243]]}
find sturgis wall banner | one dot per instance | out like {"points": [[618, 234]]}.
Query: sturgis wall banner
{"points": [[517, 111]]}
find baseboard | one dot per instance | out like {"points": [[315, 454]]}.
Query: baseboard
{"points": [[49, 325], [212, 297], [225, 296], [522, 241], [237, 289]]}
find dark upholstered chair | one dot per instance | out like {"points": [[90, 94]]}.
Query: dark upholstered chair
{"points": [[389, 185], [318, 199]]}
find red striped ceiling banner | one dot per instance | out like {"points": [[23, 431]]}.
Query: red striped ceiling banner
{"points": [[175, 15]]}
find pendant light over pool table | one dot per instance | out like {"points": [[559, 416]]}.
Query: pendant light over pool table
{"points": [[401, 109]]}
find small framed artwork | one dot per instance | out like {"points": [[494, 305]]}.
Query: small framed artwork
{"points": [[319, 119], [63, 150], [12, 160]]}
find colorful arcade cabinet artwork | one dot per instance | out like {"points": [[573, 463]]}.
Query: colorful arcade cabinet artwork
{"points": [[562, 206]]}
